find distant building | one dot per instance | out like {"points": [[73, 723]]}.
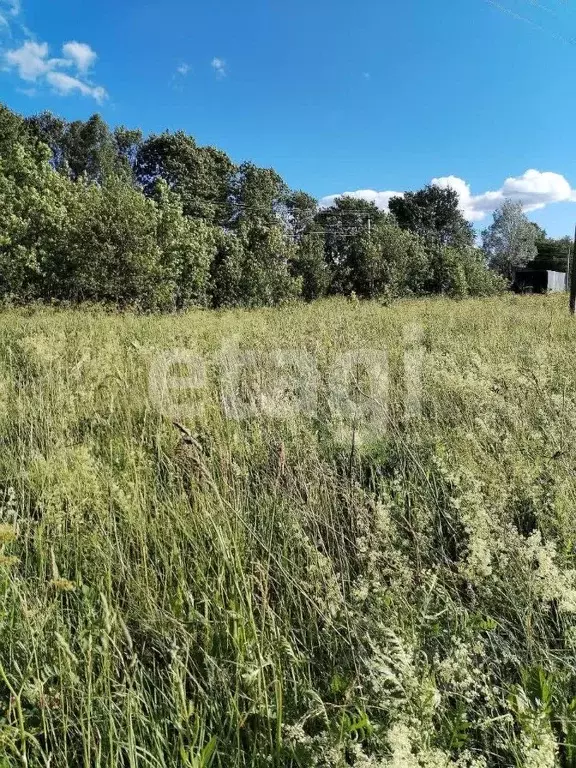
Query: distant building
{"points": [[539, 281]]}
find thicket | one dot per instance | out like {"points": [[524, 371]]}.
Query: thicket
{"points": [[88, 214]]}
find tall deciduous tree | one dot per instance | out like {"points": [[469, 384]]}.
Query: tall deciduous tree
{"points": [[75, 226], [344, 224], [310, 267], [300, 215], [258, 197], [128, 142], [87, 148], [309, 262], [34, 212], [390, 262], [434, 214], [510, 241], [12, 130], [200, 175], [50, 130], [187, 250]]}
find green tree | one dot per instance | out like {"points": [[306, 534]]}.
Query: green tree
{"points": [[309, 264], [461, 272], [34, 210], [344, 224], [540, 232], [253, 267], [310, 267], [267, 276], [300, 215], [260, 217], [510, 241], [434, 214], [390, 262], [127, 143], [13, 131], [200, 175], [86, 148], [552, 254], [226, 270], [50, 130], [258, 197], [187, 249], [109, 252]]}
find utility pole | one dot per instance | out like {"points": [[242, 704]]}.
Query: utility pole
{"points": [[573, 279]]}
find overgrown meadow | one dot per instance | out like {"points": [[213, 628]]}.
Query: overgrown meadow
{"points": [[275, 591]]}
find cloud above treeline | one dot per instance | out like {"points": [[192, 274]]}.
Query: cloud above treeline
{"points": [[534, 189], [32, 63]]}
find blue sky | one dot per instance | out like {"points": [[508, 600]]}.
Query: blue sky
{"points": [[376, 95]]}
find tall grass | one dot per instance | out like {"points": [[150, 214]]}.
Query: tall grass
{"points": [[266, 594]]}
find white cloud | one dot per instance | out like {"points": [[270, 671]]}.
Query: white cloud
{"points": [[380, 198], [30, 60], [534, 189], [219, 66], [65, 85], [183, 69], [81, 54], [32, 63]]}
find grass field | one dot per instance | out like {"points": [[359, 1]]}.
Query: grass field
{"points": [[289, 591]]}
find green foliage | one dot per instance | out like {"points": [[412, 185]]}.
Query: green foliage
{"points": [[12, 131], [80, 241], [188, 248], [199, 175], [226, 270], [310, 266], [109, 250], [100, 215], [34, 212], [345, 224], [266, 276], [79, 148], [461, 273], [301, 214], [510, 241], [390, 262], [552, 254], [433, 213], [258, 197]]}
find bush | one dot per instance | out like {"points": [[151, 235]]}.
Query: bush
{"points": [[461, 273]]}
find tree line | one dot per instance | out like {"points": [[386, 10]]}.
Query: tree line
{"points": [[94, 214]]}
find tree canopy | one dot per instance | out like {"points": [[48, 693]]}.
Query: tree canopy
{"points": [[100, 214], [434, 214], [510, 241]]}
